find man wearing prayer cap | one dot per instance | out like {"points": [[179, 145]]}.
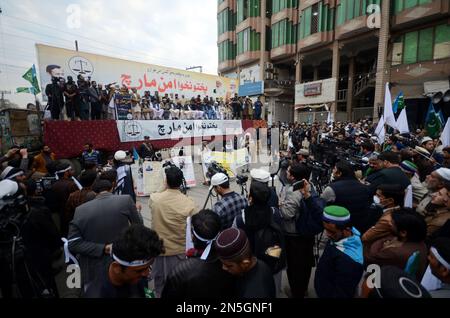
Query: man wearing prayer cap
{"points": [[263, 176], [341, 266], [253, 277], [187, 279], [302, 155], [394, 283], [231, 203], [439, 259], [434, 182], [260, 175], [411, 170]]}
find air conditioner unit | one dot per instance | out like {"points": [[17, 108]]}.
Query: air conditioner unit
{"points": [[268, 66], [269, 76]]}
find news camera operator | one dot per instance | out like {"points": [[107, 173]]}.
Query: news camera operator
{"points": [[29, 243]]}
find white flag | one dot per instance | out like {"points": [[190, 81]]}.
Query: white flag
{"points": [[388, 112], [380, 131], [445, 137], [380, 126], [329, 120], [402, 122], [382, 136], [409, 197]]}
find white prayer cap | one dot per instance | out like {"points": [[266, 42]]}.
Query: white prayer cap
{"points": [[218, 179], [444, 173], [260, 175], [120, 155]]}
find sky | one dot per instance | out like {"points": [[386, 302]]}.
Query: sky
{"points": [[175, 33]]}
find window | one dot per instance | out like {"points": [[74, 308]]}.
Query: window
{"points": [[410, 51], [247, 8], [350, 9], [283, 32], [248, 40], [400, 5], [227, 51], [442, 42], [423, 45], [317, 18], [280, 5], [226, 21]]}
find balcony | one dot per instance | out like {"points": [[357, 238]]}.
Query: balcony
{"points": [[248, 57], [289, 13], [283, 51], [315, 40], [352, 27], [410, 77], [231, 4], [421, 14], [254, 23], [307, 3], [230, 35], [225, 66]]}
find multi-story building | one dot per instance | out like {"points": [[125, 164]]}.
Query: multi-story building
{"points": [[309, 56]]}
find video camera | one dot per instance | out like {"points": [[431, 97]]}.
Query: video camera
{"points": [[45, 184], [215, 168], [241, 179]]}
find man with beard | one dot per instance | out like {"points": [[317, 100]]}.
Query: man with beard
{"points": [[95, 97], [41, 161], [83, 87], [434, 182], [71, 94], [55, 98]]}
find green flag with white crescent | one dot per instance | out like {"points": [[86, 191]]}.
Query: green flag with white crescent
{"points": [[31, 77]]}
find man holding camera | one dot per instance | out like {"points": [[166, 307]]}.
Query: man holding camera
{"points": [[231, 204], [299, 247]]}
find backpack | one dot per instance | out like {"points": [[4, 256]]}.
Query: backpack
{"points": [[309, 222], [268, 245]]}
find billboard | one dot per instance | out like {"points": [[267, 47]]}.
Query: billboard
{"points": [[318, 92], [60, 62]]}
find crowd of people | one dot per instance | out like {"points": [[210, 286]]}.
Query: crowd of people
{"points": [[347, 204], [89, 100]]}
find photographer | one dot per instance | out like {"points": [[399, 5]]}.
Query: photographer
{"points": [[41, 236], [346, 191], [231, 204], [299, 247], [16, 157]]}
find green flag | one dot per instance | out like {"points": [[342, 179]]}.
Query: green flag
{"points": [[31, 77], [433, 123], [24, 90]]}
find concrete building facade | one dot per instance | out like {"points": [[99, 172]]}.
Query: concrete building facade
{"points": [[315, 56]]}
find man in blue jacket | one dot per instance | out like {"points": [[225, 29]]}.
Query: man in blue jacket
{"points": [[341, 266]]}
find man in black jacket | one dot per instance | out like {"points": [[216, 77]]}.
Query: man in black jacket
{"points": [[201, 275], [392, 173], [340, 267], [54, 93], [146, 149], [41, 236], [349, 193]]}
